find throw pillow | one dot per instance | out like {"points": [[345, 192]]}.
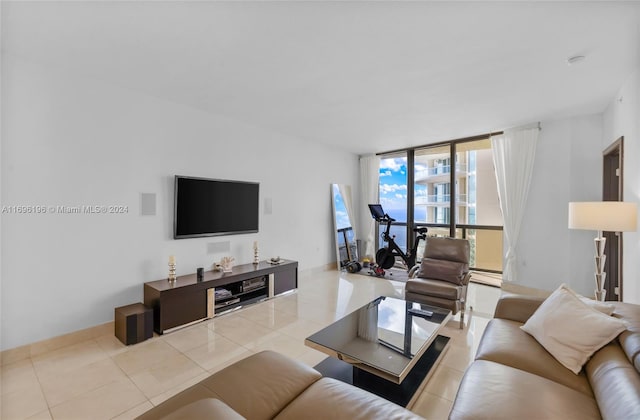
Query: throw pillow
{"points": [[571, 330], [605, 308]]}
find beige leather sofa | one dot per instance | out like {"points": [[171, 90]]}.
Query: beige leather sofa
{"points": [[514, 377], [268, 385]]}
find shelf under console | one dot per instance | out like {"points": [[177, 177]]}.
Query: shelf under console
{"points": [[187, 300]]}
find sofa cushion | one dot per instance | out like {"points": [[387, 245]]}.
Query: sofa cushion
{"points": [[491, 390], [261, 385], [504, 342], [629, 339], [616, 384], [331, 399], [205, 409], [517, 307], [190, 395], [435, 288], [570, 330], [449, 271]]}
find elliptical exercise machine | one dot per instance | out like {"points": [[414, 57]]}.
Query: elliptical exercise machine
{"points": [[386, 256]]}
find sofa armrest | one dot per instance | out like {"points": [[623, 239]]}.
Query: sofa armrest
{"points": [[517, 307]]}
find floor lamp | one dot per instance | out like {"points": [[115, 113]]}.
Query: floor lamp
{"points": [[603, 216]]}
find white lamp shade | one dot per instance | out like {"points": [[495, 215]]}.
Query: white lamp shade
{"points": [[608, 216]]}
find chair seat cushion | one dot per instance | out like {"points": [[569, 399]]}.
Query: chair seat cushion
{"points": [[436, 288], [449, 271]]}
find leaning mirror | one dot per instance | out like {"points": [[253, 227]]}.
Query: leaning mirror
{"points": [[344, 224]]}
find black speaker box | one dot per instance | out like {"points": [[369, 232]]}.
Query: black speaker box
{"points": [[133, 323]]}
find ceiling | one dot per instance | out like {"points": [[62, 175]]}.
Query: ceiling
{"points": [[363, 76]]}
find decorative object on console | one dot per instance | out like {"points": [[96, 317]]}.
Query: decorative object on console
{"points": [[172, 268], [226, 263], [256, 259], [275, 260], [609, 216], [200, 273]]}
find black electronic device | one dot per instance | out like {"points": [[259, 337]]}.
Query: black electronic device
{"points": [[212, 207], [200, 273], [376, 211], [353, 266], [253, 284]]}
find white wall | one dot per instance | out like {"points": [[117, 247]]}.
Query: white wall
{"points": [[567, 168], [73, 141], [622, 118]]}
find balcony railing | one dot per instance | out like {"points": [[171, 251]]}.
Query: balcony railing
{"points": [[441, 170], [485, 242], [347, 247], [439, 198]]}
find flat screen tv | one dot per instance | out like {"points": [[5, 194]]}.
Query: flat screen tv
{"points": [[213, 207]]}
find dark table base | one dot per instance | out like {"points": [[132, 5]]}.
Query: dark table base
{"points": [[400, 394]]}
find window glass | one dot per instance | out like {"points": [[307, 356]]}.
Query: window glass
{"points": [[393, 187], [477, 192], [432, 167]]}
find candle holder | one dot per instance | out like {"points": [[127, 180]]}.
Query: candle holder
{"points": [[256, 259], [172, 271]]}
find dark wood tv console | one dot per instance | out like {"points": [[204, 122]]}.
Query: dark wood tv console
{"points": [[187, 300]]}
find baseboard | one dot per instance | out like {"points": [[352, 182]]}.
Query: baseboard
{"points": [[332, 266], [31, 350]]}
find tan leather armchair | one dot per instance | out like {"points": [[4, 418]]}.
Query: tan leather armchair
{"points": [[441, 279]]}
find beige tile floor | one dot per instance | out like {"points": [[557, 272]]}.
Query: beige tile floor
{"points": [[102, 379]]}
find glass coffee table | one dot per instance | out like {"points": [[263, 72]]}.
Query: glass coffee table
{"points": [[387, 347]]}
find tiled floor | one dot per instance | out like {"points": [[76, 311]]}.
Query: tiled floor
{"points": [[101, 378]]}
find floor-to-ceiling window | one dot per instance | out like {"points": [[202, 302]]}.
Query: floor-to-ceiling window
{"points": [[432, 188], [393, 193], [449, 188], [478, 207]]}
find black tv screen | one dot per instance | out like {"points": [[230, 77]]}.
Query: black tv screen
{"points": [[212, 207]]}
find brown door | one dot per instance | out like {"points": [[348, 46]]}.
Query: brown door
{"points": [[612, 191]]}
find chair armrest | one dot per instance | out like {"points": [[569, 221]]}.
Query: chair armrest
{"points": [[466, 279], [517, 307]]}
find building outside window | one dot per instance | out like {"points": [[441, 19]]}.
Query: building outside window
{"points": [[473, 201]]}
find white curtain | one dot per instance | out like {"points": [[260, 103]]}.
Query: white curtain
{"points": [[369, 178], [345, 192], [513, 156]]}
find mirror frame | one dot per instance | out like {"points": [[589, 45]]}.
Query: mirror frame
{"points": [[341, 190]]}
